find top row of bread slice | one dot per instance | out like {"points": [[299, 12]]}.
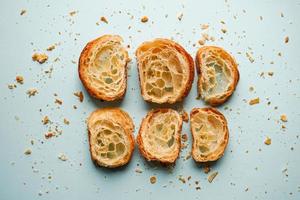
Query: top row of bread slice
{"points": [[166, 71]]}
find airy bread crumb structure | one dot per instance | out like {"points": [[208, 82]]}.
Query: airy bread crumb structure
{"points": [[159, 135], [103, 68], [166, 71], [210, 134], [110, 137]]}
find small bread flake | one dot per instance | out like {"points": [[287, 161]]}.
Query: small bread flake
{"points": [[72, 13], [185, 116], [268, 141], [62, 157], [31, 92], [103, 19], [270, 73], [204, 26], [27, 152], [212, 176], [40, 57], [49, 135], [283, 118], [206, 169], [45, 120], [67, 122], [224, 30], [79, 95], [250, 58], [182, 179], [50, 48], [152, 179], [11, 86], [23, 12], [144, 19], [254, 101], [20, 79], [138, 171], [58, 101], [179, 16], [286, 39], [201, 42]]}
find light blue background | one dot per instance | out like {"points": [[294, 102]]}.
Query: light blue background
{"points": [[247, 163]]}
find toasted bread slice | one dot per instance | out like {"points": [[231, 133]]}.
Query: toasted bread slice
{"points": [[166, 71], [103, 68], [210, 134], [218, 74], [159, 136], [110, 137]]}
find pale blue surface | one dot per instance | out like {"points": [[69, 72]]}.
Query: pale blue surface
{"points": [[259, 170]]}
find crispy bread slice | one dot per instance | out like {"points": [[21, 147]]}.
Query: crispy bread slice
{"points": [[210, 134], [218, 74], [103, 68], [166, 71], [110, 137], [159, 135]]}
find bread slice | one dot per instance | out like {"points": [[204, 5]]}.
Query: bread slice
{"points": [[166, 71], [110, 137], [210, 134], [159, 135], [218, 74], [103, 68]]}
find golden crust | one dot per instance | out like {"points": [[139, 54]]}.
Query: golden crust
{"points": [[155, 71], [110, 137], [109, 80], [164, 147], [210, 134], [217, 57]]}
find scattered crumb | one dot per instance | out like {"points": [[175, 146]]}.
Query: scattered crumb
{"points": [[103, 19], [201, 42], [67, 122], [144, 19], [270, 73], [250, 58], [152, 179], [139, 171], [72, 13], [11, 86], [62, 157], [27, 152], [20, 79], [286, 39], [185, 116], [23, 12], [32, 92], [182, 179], [79, 95], [251, 88], [179, 16], [40, 57], [58, 101], [45, 120], [50, 48], [188, 156], [224, 30], [204, 26], [283, 118], [268, 141], [49, 135], [254, 101], [206, 169], [212, 176]]}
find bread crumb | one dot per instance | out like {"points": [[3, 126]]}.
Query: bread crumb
{"points": [[212, 176], [67, 122], [206, 169], [45, 120], [138, 171], [254, 101], [27, 152], [179, 16], [72, 13], [182, 179], [79, 95], [58, 101], [224, 30], [50, 48], [20, 79], [286, 39], [23, 12], [144, 19], [184, 137], [32, 92], [152, 179], [268, 141], [49, 135], [270, 73], [283, 118], [185, 116], [251, 88], [201, 42], [103, 19], [11, 86], [250, 58], [40, 57], [204, 26], [62, 157]]}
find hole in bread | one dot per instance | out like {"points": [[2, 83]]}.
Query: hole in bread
{"points": [[120, 148], [111, 147], [108, 80], [203, 149]]}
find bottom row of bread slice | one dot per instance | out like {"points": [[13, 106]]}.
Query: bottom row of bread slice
{"points": [[159, 138]]}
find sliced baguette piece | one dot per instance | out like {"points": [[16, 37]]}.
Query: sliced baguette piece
{"points": [[166, 71], [218, 74], [110, 137], [103, 68], [210, 134], [159, 135]]}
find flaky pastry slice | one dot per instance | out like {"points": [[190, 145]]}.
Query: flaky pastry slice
{"points": [[103, 68], [210, 134], [110, 137], [166, 71], [218, 74], [159, 135]]}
